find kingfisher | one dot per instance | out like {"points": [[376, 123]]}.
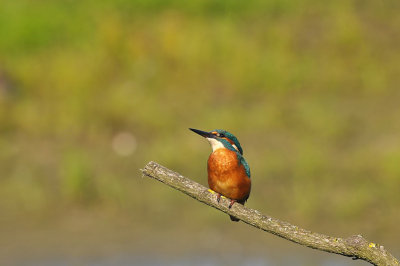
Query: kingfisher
{"points": [[228, 171]]}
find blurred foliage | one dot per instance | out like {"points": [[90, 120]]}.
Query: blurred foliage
{"points": [[310, 88]]}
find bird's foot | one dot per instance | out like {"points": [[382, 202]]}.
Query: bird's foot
{"points": [[218, 197], [231, 204]]}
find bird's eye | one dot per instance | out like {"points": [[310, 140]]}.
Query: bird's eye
{"points": [[221, 135]]}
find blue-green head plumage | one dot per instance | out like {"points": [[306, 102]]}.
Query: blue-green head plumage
{"points": [[225, 134]]}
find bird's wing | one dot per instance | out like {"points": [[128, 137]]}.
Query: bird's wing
{"points": [[245, 164]]}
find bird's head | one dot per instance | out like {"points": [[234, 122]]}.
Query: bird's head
{"points": [[220, 138]]}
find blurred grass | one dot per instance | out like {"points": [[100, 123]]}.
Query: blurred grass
{"points": [[309, 88]]}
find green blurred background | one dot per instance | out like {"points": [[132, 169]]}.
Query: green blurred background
{"points": [[90, 91]]}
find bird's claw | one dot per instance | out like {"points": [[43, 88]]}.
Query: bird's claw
{"points": [[218, 197]]}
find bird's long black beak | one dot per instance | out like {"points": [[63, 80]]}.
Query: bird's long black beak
{"points": [[202, 133]]}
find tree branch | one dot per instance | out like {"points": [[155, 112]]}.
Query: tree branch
{"points": [[354, 246]]}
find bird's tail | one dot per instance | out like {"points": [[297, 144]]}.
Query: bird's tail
{"points": [[234, 219]]}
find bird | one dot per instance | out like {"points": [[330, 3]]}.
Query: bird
{"points": [[228, 171]]}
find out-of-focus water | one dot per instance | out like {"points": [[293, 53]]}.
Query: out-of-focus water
{"points": [[147, 259], [91, 244]]}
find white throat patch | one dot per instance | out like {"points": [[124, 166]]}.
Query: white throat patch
{"points": [[215, 144]]}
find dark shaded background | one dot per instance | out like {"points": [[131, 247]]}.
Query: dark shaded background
{"points": [[91, 91]]}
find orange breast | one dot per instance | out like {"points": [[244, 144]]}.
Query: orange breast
{"points": [[227, 176]]}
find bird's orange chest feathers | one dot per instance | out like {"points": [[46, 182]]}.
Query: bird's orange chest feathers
{"points": [[227, 176]]}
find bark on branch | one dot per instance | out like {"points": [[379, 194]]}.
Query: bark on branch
{"points": [[355, 246]]}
